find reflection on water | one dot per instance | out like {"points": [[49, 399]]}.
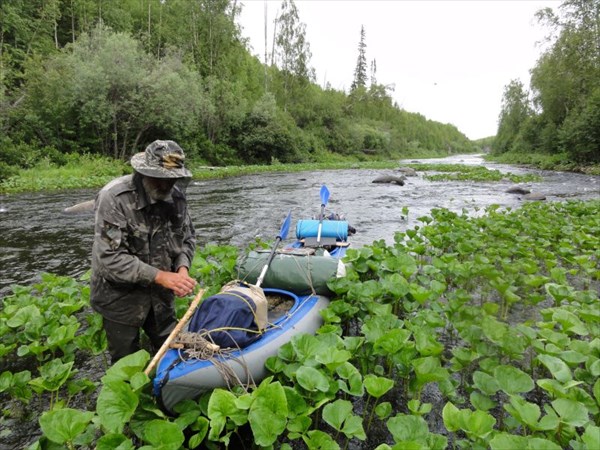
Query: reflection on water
{"points": [[35, 236]]}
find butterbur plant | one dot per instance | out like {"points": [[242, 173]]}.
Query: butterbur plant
{"points": [[467, 332]]}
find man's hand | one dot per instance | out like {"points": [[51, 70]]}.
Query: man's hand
{"points": [[180, 283]]}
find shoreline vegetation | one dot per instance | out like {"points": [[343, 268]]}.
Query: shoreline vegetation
{"points": [[91, 171], [558, 162]]}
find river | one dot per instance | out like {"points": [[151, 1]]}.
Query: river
{"points": [[36, 236]]}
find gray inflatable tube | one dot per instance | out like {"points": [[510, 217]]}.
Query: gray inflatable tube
{"points": [[178, 379]]}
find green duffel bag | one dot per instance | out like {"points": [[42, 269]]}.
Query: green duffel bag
{"points": [[295, 272]]}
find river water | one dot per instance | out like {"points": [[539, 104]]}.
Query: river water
{"points": [[36, 236]]}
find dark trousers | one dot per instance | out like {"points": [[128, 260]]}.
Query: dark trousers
{"points": [[124, 340]]}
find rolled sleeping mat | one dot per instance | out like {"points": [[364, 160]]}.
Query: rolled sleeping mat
{"points": [[295, 273], [337, 229]]}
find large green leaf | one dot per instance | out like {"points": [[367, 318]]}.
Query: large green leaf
{"points": [[333, 357], [23, 316], [513, 380], [571, 412], [557, 367], [64, 425], [591, 436], [312, 379], [377, 386], [268, 413], [505, 441], [354, 385], [128, 367], [525, 412], [163, 435], [114, 442], [221, 406], [54, 374], [408, 428], [337, 412], [485, 383], [318, 440], [306, 347], [115, 405]]}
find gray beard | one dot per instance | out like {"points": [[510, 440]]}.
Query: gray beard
{"points": [[154, 193]]}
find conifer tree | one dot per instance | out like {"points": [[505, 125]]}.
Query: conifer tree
{"points": [[360, 72]]}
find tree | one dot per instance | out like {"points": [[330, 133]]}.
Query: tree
{"points": [[360, 72], [292, 52], [566, 80], [105, 94], [291, 47], [267, 134], [373, 72], [515, 111]]}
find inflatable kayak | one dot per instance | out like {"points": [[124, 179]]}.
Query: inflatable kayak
{"points": [[179, 377]]}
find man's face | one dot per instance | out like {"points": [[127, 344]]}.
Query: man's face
{"points": [[158, 188]]}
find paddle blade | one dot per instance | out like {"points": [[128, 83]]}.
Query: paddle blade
{"points": [[324, 195], [285, 228]]}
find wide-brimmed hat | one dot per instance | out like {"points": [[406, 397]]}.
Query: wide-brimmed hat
{"points": [[161, 159]]}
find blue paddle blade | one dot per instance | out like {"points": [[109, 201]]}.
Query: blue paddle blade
{"points": [[324, 195], [285, 228]]}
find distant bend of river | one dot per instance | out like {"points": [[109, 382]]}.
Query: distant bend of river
{"points": [[36, 236]]}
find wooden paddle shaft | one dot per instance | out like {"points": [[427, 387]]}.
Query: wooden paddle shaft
{"points": [[163, 349]]}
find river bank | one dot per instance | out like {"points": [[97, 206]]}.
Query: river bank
{"points": [[88, 172], [558, 162]]}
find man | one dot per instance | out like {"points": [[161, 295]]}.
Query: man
{"points": [[144, 243]]}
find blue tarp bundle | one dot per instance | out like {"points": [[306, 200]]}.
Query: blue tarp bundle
{"points": [[230, 312]]}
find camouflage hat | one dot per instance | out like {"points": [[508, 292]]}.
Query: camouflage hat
{"points": [[161, 159]]}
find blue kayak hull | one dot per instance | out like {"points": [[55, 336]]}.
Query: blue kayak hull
{"points": [[178, 379]]}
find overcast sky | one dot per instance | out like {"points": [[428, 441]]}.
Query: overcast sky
{"points": [[448, 60]]}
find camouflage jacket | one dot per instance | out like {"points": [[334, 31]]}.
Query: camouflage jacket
{"points": [[133, 239]]}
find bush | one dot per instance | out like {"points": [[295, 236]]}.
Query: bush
{"points": [[7, 171]]}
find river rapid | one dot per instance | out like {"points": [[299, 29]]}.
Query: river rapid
{"points": [[37, 236]]}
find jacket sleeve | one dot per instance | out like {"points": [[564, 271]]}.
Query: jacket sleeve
{"points": [[186, 256], [111, 256]]}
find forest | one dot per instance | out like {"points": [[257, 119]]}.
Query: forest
{"points": [[560, 113], [106, 78]]}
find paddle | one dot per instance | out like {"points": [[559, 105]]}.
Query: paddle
{"points": [[282, 235], [324, 197], [163, 349]]}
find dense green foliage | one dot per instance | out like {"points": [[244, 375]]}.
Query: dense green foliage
{"points": [[561, 114], [466, 332], [107, 78], [546, 161]]}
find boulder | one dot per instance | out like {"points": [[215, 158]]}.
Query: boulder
{"points": [[534, 196], [80, 208], [390, 179], [518, 190], [408, 171]]}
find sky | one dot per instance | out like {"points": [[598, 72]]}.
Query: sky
{"points": [[448, 60]]}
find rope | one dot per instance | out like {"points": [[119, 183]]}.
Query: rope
{"points": [[306, 273], [197, 347]]}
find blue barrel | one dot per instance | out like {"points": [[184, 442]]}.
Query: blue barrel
{"points": [[331, 229]]}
